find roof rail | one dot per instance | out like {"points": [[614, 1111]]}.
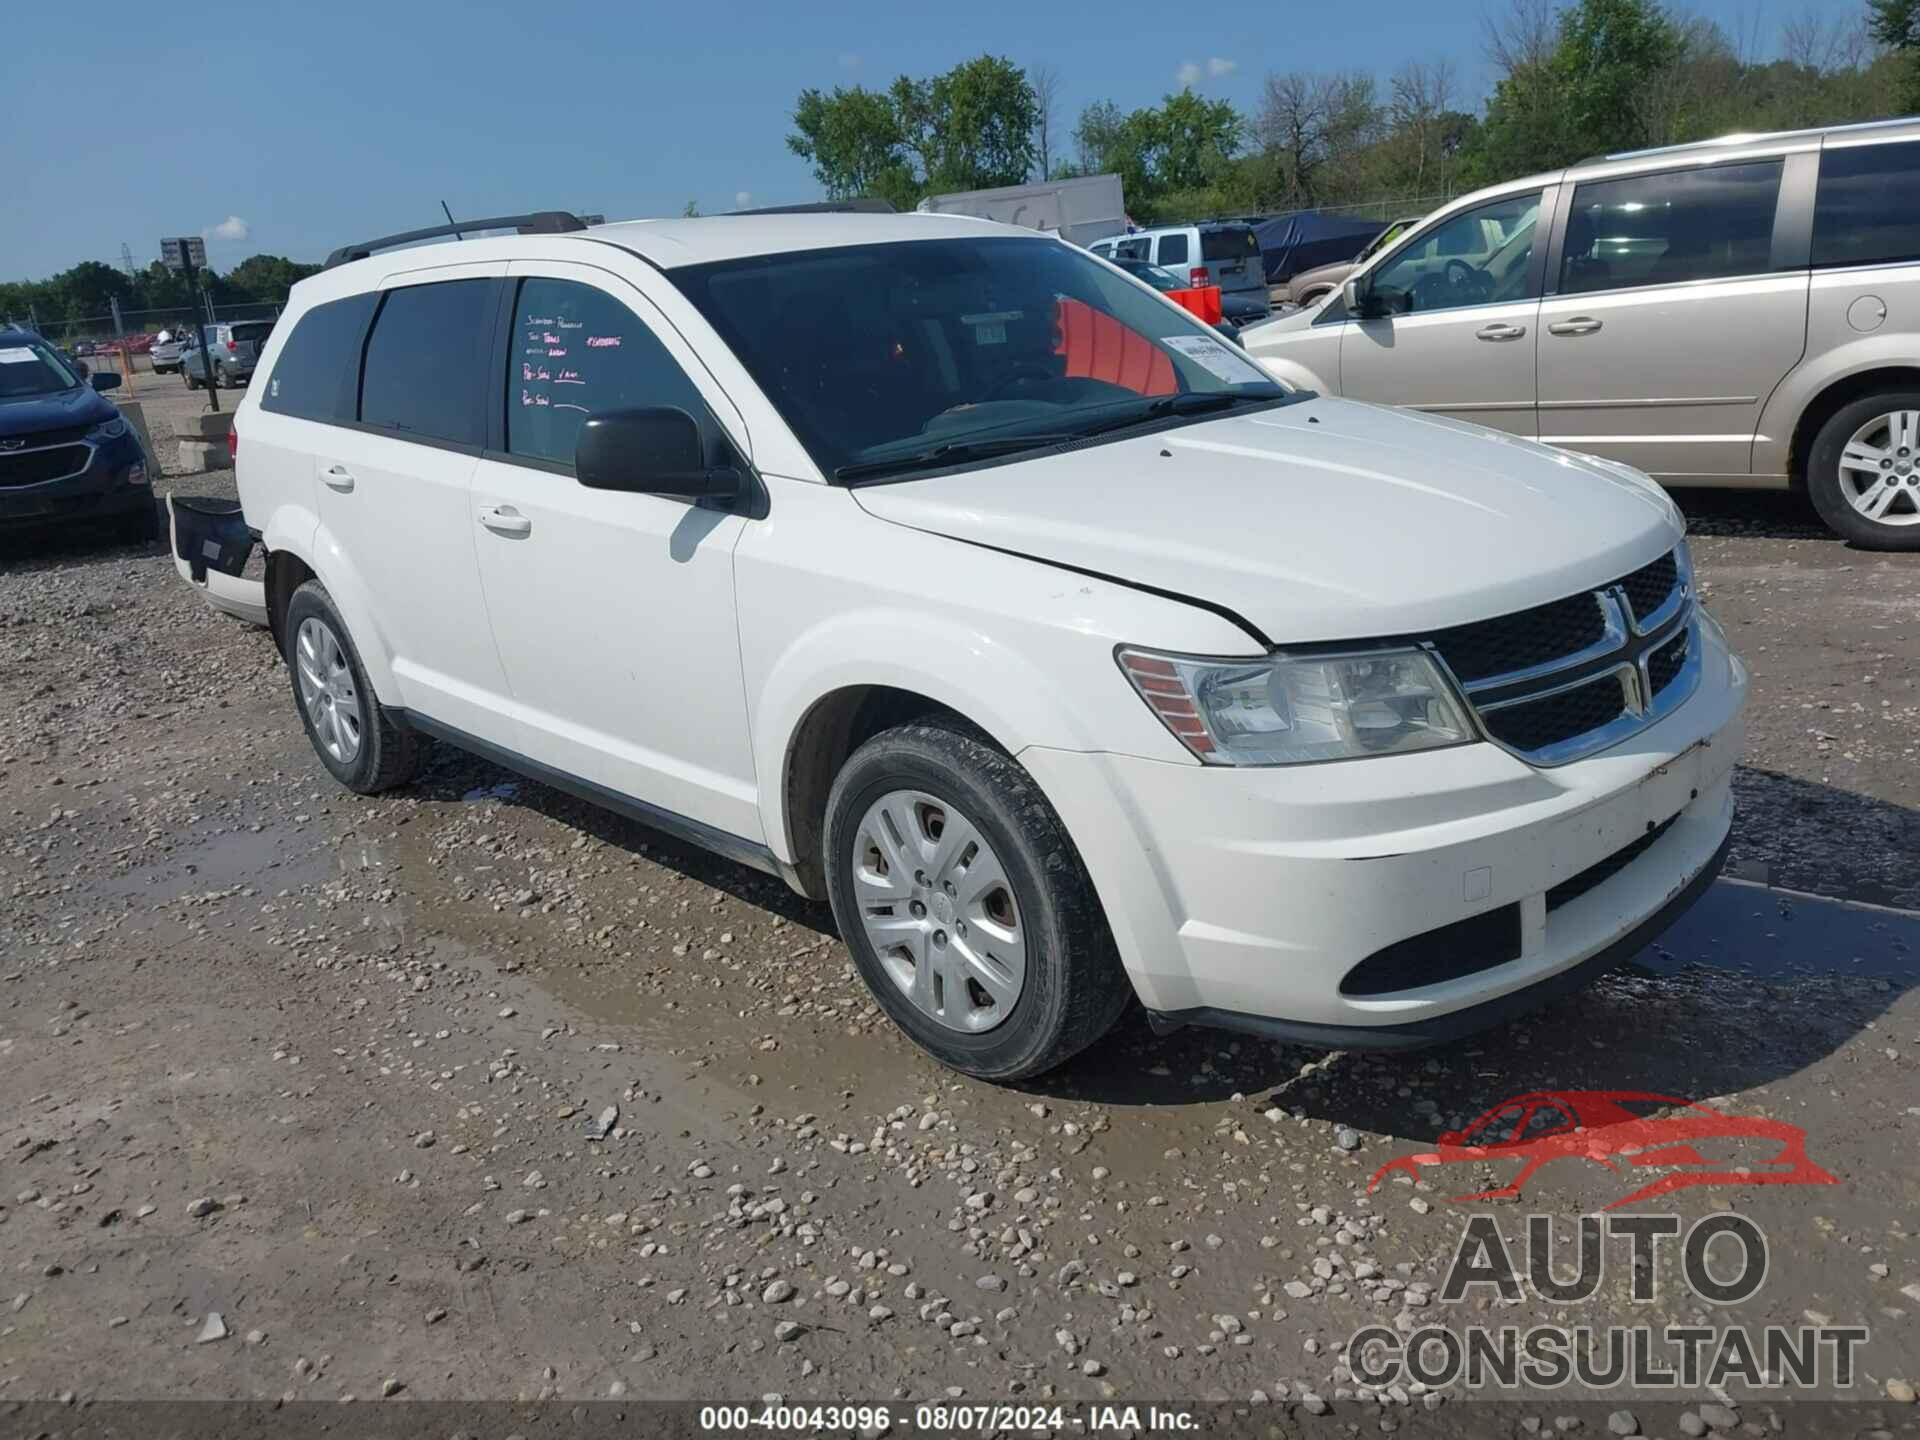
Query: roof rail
{"points": [[1750, 137], [866, 205], [538, 222]]}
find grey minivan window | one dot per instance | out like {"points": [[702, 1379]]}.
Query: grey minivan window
{"points": [[1173, 250], [1660, 229], [1867, 209], [1477, 257], [314, 377], [427, 361]]}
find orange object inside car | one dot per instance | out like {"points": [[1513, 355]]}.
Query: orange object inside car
{"points": [[1096, 346]]}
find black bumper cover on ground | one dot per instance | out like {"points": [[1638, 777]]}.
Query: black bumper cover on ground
{"points": [[1455, 1023]]}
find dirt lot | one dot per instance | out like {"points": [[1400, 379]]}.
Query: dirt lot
{"points": [[473, 1091]]}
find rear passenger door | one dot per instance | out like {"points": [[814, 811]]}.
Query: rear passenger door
{"points": [[613, 612], [395, 521], [1674, 310], [1174, 252]]}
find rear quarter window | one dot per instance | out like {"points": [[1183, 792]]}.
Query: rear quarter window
{"points": [[1867, 209], [319, 367]]}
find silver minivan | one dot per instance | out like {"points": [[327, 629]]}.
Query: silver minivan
{"points": [[1217, 252], [1738, 312]]}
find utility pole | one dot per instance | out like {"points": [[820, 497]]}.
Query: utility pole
{"points": [[187, 254]]}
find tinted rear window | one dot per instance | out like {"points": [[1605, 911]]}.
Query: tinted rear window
{"points": [[314, 377], [244, 333], [1228, 244], [1867, 211], [427, 361]]}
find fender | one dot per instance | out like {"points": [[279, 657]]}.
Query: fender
{"points": [[1780, 419], [298, 532], [1292, 373], [1009, 698]]}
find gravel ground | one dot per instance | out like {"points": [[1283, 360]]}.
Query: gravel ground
{"points": [[474, 1091]]}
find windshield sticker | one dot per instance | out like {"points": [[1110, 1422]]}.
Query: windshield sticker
{"points": [[17, 355], [1217, 359]]}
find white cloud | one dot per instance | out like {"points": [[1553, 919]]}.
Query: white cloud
{"points": [[1219, 65], [231, 228], [849, 61], [1188, 74], [742, 199]]}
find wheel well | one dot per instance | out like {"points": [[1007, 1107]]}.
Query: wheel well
{"points": [[833, 729], [286, 573], [1828, 401]]}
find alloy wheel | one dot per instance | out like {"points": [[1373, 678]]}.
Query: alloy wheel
{"points": [[327, 690], [1880, 469], [937, 906]]}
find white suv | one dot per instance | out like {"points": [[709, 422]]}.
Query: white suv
{"points": [[973, 586]]}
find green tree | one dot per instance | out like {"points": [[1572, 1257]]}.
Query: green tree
{"points": [[967, 129], [267, 277], [1896, 25]]}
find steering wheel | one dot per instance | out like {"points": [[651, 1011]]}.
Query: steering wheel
{"points": [[1027, 374], [1463, 276]]}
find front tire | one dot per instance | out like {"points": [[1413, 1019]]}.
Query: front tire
{"points": [[360, 742], [966, 906], [1863, 471]]}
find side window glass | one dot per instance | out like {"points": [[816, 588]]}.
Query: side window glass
{"points": [[1478, 257], [1133, 250], [578, 351], [426, 364], [1867, 209], [314, 377], [1681, 225], [1173, 250]]}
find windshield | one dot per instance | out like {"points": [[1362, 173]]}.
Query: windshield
{"points": [[32, 367], [922, 350], [1156, 277]]}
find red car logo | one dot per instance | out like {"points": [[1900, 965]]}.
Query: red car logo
{"points": [[1624, 1131]]}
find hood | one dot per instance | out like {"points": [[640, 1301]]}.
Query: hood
{"points": [[1323, 520], [82, 405]]}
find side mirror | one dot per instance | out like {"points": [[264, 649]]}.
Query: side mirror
{"points": [[652, 450], [1350, 292], [104, 380]]}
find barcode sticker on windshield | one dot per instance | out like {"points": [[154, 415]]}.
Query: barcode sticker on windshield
{"points": [[1217, 359], [17, 355]]}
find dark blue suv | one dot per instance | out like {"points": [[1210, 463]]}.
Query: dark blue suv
{"points": [[65, 451]]}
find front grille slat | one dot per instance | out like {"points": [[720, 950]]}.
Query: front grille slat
{"points": [[1519, 642], [31, 467], [1563, 679]]}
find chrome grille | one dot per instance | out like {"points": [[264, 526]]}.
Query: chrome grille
{"points": [[1571, 677]]}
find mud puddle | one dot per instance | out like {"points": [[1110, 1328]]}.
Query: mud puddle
{"points": [[1786, 936]]}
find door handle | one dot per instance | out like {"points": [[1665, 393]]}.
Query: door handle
{"points": [[505, 520], [1578, 325], [338, 477], [1500, 330]]}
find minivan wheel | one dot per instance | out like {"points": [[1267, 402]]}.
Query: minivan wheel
{"points": [[356, 737], [966, 906], [1863, 472]]}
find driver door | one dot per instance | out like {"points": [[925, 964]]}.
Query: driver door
{"points": [[1467, 298]]}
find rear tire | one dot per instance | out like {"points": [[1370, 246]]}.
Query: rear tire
{"points": [[1855, 475], [362, 744], [997, 956]]}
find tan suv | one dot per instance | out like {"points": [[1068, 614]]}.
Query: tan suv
{"points": [[1739, 312]]}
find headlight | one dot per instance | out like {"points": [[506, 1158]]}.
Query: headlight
{"points": [[111, 429], [1294, 709]]}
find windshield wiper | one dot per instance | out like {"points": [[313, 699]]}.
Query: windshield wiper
{"points": [[954, 452], [1190, 403]]}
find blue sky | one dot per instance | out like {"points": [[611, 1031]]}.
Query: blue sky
{"points": [[293, 128]]}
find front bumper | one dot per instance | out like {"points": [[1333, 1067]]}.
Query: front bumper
{"points": [[1248, 897], [102, 486]]}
